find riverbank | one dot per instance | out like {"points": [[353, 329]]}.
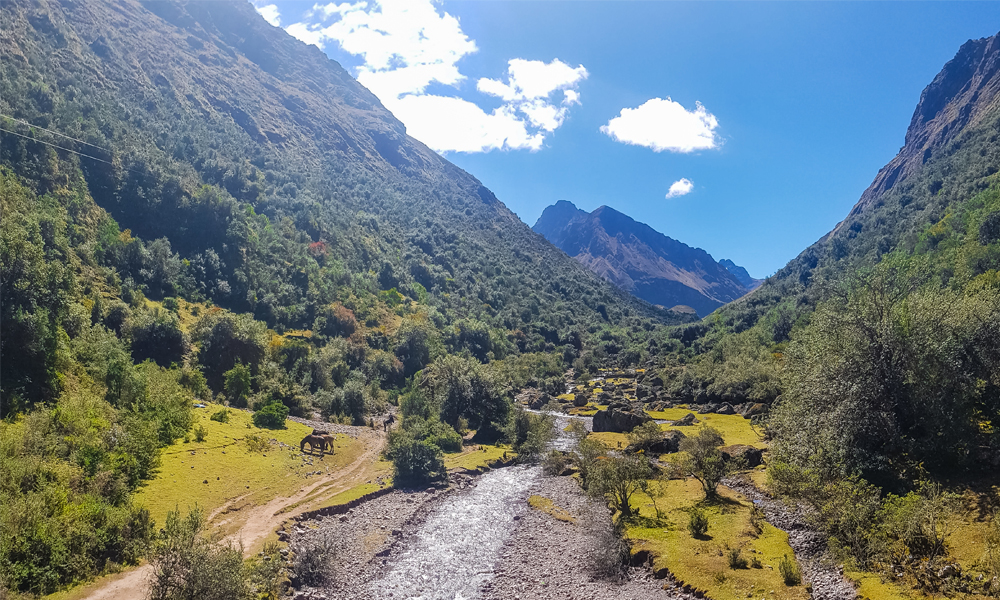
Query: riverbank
{"points": [[550, 553]]}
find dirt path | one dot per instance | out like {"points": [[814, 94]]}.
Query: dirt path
{"points": [[258, 521]]}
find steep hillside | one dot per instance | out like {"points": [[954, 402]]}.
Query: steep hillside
{"points": [[950, 154], [639, 259], [186, 94]]}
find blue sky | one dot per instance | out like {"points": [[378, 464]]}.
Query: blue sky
{"points": [[763, 121]]}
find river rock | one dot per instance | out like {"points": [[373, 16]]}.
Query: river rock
{"points": [[619, 421]]}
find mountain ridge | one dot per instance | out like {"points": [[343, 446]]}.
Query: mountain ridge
{"points": [[639, 259]]}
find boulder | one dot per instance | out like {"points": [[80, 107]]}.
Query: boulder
{"points": [[619, 421], [688, 419], [751, 456], [753, 410], [642, 392], [580, 400], [726, 409], [540, 401], [655, 381], [668, 444]]}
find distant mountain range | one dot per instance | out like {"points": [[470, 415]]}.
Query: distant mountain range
{"points": [[642, 261]]}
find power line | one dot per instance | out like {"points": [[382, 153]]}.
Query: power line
{"points": [[52, 132], [61, 147]]}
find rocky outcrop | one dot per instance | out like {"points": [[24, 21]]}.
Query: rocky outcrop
{"points": [[962, 95], [619, 421]]}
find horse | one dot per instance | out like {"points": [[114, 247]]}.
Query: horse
{"points": [[329, 441], [388, 423], [314, 441]]}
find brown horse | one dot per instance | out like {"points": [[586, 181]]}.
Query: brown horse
{"points": [[314, 441]]}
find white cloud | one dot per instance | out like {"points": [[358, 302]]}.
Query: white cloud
{"points": [[269, 12], [665, 125], [407, 45], [680, 188]]}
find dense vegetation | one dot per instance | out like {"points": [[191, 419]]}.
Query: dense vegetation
{"points": [[159, 247]]}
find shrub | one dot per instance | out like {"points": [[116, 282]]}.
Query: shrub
{"points": [[314, 561], [789, 571], [414, 462], [200, 433], [555, 462], [735, 559], [256, 443], [698, 523], [271, 416], [755, 563], [189, 565], [529, 433], [607, 551], [645, 435], [222, 416]]}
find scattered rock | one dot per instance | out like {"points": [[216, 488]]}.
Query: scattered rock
{"points": [[688, 419]]}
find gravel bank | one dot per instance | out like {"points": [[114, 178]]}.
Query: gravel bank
{"points": [[547, 559], [364, 539], [818, 567]]}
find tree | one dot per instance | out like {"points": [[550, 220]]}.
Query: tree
{"points": [[414, 462], [238, 384], [226, 339], [616, 479], [704, 461], [156, 335]]}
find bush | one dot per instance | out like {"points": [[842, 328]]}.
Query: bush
{"points": [[555, 462], [529, 433], [434, 432], [314, 561], [736, 560], [189, 565], [222, 416], [256, 443], [607, 551], [789, 571], [271, 416], [698, 523], [414, 462], [200, 433]]}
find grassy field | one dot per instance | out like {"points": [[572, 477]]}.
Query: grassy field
{"points": [[703, 563], [734, 428], [476, 457], [222, 468]]}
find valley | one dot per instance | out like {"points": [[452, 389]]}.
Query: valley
{"points": [[258, 342]]}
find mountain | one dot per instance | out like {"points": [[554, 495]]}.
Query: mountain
{"points": [[279, 182], [639, 259], [929, 225], [741, 274]]}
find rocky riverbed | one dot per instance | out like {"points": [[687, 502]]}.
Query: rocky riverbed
{"points": [[548, 558]]}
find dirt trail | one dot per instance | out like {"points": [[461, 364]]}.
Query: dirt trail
{"points": [[258, 521]]}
